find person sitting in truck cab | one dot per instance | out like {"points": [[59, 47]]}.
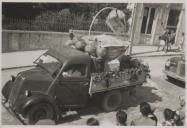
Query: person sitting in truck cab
{"points": [[74, 71]]}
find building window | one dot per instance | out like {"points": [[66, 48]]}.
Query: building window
{"points": [[173, 19], [147, 21]]}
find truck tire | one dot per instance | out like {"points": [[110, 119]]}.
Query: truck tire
{"points": [[38, 112], [111, 101]]}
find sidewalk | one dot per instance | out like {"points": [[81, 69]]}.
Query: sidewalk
{"points": [[20, 59], [26, 58], [151, 51]]}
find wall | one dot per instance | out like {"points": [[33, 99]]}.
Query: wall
{"points": [[162, 15], [138, 22], [29, 40], [180, 26], [159, 24], [13, 40], [163, 18]]}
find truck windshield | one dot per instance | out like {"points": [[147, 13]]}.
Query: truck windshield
{"points": [[48, 63]]}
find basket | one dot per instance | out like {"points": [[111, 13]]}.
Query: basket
{"points": [[114, 47]]}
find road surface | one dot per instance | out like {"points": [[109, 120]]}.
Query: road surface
{"points": [[159, 92]]}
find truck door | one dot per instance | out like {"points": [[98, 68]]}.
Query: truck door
{"points": [[74, 85]]}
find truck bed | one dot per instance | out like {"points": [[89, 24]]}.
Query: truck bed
{"points": [[115, 82]]}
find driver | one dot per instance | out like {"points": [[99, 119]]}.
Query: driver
{"points": [[73, 71]]}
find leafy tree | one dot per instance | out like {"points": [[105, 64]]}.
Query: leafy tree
{"points": [[51, 15]]}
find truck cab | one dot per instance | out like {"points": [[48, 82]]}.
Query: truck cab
{"points": [[175, 68]]}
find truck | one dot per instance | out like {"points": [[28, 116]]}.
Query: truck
{"points": [[49, 89], [175, 68]]}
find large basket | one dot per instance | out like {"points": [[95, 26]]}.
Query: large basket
{"points": [[113, 46]]}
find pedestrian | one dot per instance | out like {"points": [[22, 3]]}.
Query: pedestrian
{"points": [[180, 113], [92, 122], [169, 117], [181, 42], [121, 117], [71, 42], [167, 42], [147, 117], [161, 44], [172, 37], [71, 34]]}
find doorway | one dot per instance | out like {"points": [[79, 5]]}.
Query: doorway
{"points": [[147, 25], [173, 20]]}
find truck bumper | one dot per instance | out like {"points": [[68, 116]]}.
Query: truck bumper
{"points": [[173, 75], [17, 116]]}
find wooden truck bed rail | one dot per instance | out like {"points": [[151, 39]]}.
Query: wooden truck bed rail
{"points": [[101, 82]]}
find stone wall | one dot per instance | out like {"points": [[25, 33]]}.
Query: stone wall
{"points": [[13, 40], [29, 40]]}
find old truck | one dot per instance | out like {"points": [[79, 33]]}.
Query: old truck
{"points": [[175, 68], [48, 90]]}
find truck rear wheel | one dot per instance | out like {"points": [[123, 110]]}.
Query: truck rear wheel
{"points": [[111, 101], [38, 112]]}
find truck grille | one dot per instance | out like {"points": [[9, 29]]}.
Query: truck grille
{"points": [[15, 90], [181, 68]]}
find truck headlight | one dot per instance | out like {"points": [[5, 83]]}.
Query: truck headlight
{"points": [[27, 93]]}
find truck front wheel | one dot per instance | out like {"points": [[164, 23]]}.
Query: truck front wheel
{"points": [[111, 101], [38, 112]]}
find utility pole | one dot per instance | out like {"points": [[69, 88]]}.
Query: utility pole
{"points": [[133, 28]]}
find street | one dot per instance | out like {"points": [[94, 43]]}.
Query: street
{"points": [[159, 92]]}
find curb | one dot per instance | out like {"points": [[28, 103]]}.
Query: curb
{"points": [[143, 52], [157, 55], [17, 67], [134, 55]]}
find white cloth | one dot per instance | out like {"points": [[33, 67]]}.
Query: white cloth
{"points": [[116, 13], [162, 42]]}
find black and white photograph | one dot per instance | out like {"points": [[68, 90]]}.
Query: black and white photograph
{"points": [[99, 63]]}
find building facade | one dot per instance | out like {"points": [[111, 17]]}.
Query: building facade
{"points": [[151, 19]]}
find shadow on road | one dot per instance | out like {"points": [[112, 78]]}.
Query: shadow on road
{"points": [[143, 94], [69, 118]]}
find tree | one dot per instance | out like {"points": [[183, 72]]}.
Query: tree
{"points": [[48, 15]]}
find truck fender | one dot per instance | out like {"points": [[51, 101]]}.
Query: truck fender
{"points": [[6, 90], [39, 99]]}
